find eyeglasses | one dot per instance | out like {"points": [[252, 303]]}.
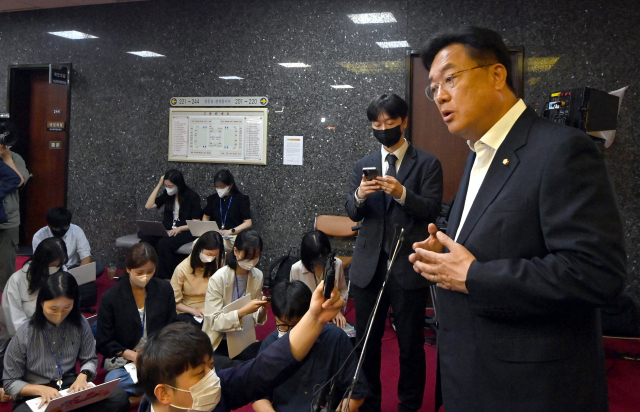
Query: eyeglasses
{"points": [[283, 327], [449, 82]]}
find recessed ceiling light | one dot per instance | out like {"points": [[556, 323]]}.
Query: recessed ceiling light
{"points": [[231, 78], [74, 35], [294, 65], [392, 44], [371, 18], [342, 86], [146, 54], [323, 119]]}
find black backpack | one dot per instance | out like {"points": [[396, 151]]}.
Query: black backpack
{"points": [[280, 269]]}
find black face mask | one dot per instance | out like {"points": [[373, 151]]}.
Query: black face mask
{"points": [[388, 137], [59, 232]]}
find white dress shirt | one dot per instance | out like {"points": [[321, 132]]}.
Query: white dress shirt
{"points": [[77, 244], [486, 149]]}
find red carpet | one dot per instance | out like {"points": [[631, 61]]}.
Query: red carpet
{"points": [[623, 374]]}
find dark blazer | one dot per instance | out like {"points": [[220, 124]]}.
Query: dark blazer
{"points": [[421, 174], [548, 238], [190, 208], [119, 325]]}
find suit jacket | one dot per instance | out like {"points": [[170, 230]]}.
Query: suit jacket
{"points": [[119, 325], [548, 238], [253, 379], [421, 174], [220, 294]]}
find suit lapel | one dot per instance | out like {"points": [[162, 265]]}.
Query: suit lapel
{"points": [[498, 173], [458, 203]]}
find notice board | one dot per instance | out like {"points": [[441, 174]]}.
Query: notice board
{"points": [[218, 135]]}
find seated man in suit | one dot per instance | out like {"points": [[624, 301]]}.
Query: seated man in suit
{"points": [[289, 302], [535, 244], [176, 370], [406, 194], [59, 225]]}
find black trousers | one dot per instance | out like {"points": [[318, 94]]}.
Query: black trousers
{"points": [[408, 310], [165, 248]]}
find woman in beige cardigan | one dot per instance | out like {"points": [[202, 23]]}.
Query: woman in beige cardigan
{"points": [[191, 277], [233, 281]]}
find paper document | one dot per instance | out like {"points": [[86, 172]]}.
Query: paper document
{"points": [[70, 401], [238, 341], [293, 150]]}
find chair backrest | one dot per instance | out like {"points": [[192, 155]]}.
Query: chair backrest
{"points": [[338, 226]]}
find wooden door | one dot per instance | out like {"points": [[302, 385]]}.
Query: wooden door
{"points": [[41, 112]]}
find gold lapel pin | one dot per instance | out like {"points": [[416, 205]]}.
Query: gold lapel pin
{"points": [[505, 162]]}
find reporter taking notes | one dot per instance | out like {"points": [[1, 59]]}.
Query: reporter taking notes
{"points": [[406, 194], [535, 244]]}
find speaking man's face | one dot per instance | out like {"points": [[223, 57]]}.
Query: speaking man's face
{"points": [[463, 89]]}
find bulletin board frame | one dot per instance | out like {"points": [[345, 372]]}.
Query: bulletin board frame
{"points": [[188, 112]]}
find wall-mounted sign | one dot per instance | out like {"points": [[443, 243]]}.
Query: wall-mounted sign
{"points": [[55, 126], [59, 74], [220, 101], [57, 111], [55, 145]]}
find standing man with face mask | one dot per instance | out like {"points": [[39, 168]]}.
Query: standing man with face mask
{"points": [[407, 195], [10, 229]]}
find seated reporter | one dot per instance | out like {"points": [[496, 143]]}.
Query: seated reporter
{"points": [[21, 291], [191, 277], [131, 311], [41, 358], [235, 280], [59, 225], [180, 204], [177, 371], [228, 207], [309, 269], [290, 302]]}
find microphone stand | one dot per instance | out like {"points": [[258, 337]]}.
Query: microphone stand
{"points": [[370, 324]]}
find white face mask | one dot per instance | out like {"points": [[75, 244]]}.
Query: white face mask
{"points": [[171, 191], [223, 192], [206, 259], [281, 334], [205, 394], [53, 269], [247, 264]]}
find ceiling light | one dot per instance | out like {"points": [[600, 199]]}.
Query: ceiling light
{"points": [[342, 86], [146, 54], [74, 35], [392, 44], [294, 65], [231, 78], [371, 18], [374, 67], [322, 119]]}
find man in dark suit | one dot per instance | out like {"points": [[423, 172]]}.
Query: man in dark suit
{"points": [[534, 241], [407, 194]]}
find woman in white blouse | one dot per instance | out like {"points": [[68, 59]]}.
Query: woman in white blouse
{"points": [[21, 291], [238, 278], [310, 268]]}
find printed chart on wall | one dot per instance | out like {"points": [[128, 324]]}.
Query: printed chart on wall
{"points": [[218, 135]]}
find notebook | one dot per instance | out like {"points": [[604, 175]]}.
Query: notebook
{"points": [[71, 401]]}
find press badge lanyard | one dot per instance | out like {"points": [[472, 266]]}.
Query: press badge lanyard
{"points": [[223, 221], [58, 360]]}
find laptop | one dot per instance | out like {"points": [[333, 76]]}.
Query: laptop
{"points": [[71, 401], [199, 227], [151, 228], [85, 273]]}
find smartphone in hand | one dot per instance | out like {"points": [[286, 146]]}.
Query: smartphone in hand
{"points": [[370, 173], [329, 276]]}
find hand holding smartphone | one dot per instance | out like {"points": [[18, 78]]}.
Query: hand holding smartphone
{"points": [[329, 275]]}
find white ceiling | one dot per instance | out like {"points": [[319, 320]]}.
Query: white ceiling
{"points": [[15, 5]]}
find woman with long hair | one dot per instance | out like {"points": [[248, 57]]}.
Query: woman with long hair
{"points": [[41, 358], [180, 204], [239, 277], [136, 307], [191, 277]]}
